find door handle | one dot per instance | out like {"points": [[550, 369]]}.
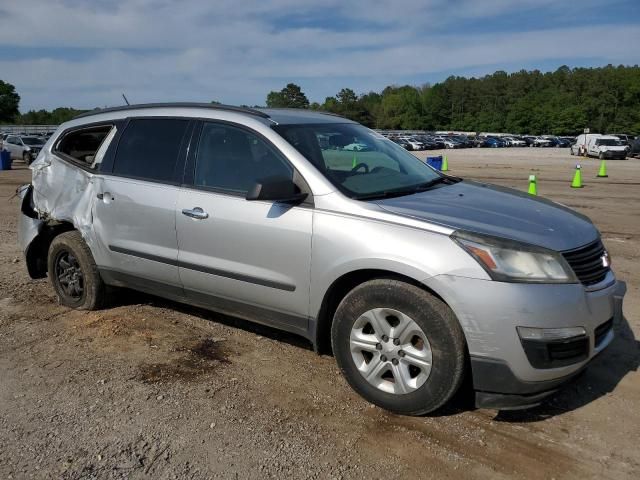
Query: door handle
{"points": [[196, 213]]}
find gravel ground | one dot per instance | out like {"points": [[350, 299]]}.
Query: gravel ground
{"points": [[147, 388]]}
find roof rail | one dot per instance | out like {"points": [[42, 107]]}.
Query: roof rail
{"points": [[298, 110], [213, 106]]}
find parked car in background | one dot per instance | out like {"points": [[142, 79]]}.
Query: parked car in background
{"points": [[403, 143], [24, 147], [439, 144], [558, 142], [415, 144], [450, 142], [541, 142], [465, 141], [428, 142], [243, 212], [515, 142], [634, 150], [606, 146], [624, 137], [356, 147], [579, 147], [494, 142], [480, 142]]}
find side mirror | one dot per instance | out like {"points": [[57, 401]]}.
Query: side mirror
{"points": [[276, 189]]}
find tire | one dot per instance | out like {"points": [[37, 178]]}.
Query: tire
{"points": [[601, 156], [26, 158], [83, 291], [393, 300]]}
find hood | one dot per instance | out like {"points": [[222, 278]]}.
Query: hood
{"points": [[498, 211]]}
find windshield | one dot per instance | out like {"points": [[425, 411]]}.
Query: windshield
{"points": [[610, 142], [358, 161], [32, 141]]}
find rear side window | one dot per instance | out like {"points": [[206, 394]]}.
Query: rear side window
{"points": [[83, 146], [149, 148]]}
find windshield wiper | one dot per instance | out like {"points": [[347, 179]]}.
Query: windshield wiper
{"points": [[398, 192], [427, 185]]}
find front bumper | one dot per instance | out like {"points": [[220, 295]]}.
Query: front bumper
{"points": [[497, 387], [614, 155], [489, 313]]}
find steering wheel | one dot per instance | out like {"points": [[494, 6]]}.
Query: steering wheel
{"points": [[379, 169], [359, 166]]}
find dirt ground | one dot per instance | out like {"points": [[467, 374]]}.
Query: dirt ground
{"points": [[147, 388]]}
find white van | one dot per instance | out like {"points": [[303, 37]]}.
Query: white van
{"points": [[580, 145], [606, 146]]}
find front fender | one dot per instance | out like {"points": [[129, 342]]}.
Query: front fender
{"points": [[343, 244]]}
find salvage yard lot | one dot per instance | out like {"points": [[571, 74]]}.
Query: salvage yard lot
{"points": [[150, 388]]}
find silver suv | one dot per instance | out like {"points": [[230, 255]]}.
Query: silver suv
{"points": [[24, 148], [413, 279]]}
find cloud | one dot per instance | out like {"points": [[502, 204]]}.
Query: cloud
{"points": [[86, 54]]}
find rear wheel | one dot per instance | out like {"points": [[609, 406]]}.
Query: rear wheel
{"points": [[74, 274], [398, 346]]}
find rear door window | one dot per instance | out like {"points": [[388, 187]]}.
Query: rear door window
{"points": [[149, 149]]}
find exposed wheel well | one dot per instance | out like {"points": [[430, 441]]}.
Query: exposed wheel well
{"points": [[38, 250], [339, 289]]}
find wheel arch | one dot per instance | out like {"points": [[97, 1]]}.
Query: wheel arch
{"points": [[38, 250], [339, 288]]}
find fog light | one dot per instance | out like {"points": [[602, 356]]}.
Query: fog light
{"points": [[554, 347], [550, 334]]}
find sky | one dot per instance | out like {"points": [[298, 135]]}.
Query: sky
{"points": [[86, 53]]}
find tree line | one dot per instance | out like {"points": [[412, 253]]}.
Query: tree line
{"points": [[562, 102], [565, 101]]}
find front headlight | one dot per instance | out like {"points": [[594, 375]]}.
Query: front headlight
{"points": [[510, 261]]}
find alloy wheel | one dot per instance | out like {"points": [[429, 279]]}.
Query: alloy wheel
{"points": [[390, 351], [69, 275]]}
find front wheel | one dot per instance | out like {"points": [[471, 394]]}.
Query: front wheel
{"points": [[73, 272], [398, 346], [26, 158]]}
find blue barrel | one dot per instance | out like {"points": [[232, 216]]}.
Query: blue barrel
{"points": [[5, 160], [435, 162]]}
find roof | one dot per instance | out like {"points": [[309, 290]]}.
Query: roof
{"points": [[277, 115]]}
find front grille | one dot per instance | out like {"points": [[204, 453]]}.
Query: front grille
{"points": [[587, 262], [601, 332]]}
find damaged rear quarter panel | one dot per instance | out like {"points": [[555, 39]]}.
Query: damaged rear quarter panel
{"points": [[63, 192]]}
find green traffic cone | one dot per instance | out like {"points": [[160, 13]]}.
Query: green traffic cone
{"points": [[533, 189], [445, 164], [602, 173], [577, 178]]}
